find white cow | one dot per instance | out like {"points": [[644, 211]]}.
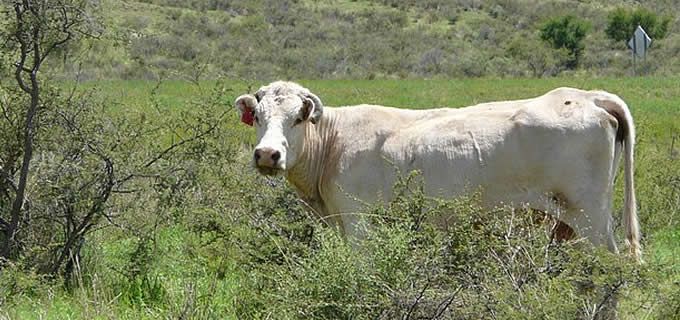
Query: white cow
{"points": [[557, 153]]}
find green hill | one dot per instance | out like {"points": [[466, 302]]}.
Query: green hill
{"points": [[266, 39]]}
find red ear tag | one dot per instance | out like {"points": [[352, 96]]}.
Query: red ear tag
{"points": [[247, 116]]}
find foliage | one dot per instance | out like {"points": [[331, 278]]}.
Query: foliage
{"points": [[537, 57], [482, 262], [337, 39], [35, 31], [206, 237], [566, 32], [621, 23], [66, 163], [18, 282]]}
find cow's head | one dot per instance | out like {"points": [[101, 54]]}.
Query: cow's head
{"points": [[280, 113]]}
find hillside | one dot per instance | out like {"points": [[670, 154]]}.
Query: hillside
{"points": [[266, 39]]}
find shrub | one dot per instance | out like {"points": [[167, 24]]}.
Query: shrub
{"points": [[18, 282], [475, 262], [539, 59], [566, 32], [621, 23]]}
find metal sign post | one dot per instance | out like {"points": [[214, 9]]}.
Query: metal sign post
{"points": [[639, 44]]}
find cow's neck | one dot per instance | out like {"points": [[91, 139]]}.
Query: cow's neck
{"points": [[317, 163]]}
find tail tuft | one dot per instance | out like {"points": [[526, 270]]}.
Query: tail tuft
{"points": [[626, 135]]}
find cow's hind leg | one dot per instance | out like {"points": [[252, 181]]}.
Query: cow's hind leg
{"points": [[587, 216], [561, 231], [590, 217], [556, 229], [549, 208], [587, 194]]}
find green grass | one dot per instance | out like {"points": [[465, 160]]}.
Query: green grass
{"points": [[178, 262], [205, 271]]}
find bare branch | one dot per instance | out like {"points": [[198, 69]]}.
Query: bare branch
{"points": [[7, 178], [5, 114], [446, 303], [420, 296], [28, 130], [66, 27], [23, 49], [126, 191], [608, 298], [174, 146], [37, 53], [87, 222]]}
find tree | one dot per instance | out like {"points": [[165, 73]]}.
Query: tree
{"points": [[62, 144], [566, 32], [621, 23], [37, 29]]}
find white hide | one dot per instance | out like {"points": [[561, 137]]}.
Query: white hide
{"points": [[556, 153]]}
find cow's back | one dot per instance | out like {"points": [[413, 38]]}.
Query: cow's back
{"points": [[505, 146]]}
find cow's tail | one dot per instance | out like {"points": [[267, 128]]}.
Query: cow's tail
{"points": [[626, 136]]}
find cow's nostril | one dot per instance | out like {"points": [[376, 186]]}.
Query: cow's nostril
{"points": [[257, 155], [276, 156]]}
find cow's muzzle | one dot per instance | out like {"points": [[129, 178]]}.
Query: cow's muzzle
{"points": [[267, 160]]}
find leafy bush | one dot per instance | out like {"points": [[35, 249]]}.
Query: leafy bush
{"points": [[537, 57], [566, 32], [17, 282], [480, 262], [621, 23]]}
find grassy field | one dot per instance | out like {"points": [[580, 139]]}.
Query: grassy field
{"points": [[188, 272]]}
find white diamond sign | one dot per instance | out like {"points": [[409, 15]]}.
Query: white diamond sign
{"points": [[639, 42]]}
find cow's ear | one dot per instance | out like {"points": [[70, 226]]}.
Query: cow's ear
{"points": [[312, 108], [245, 105], [307, 109]]}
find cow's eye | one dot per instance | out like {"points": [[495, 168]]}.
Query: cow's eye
{"points": [[297, 121]]}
